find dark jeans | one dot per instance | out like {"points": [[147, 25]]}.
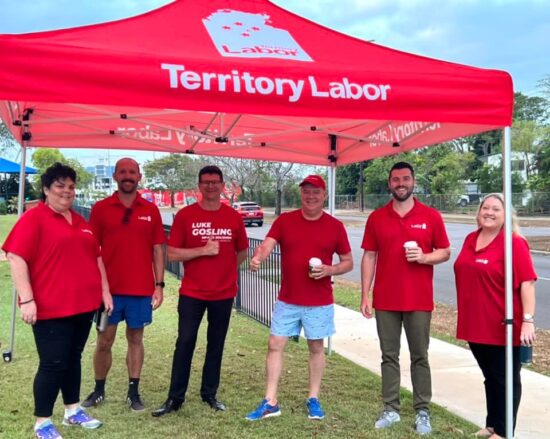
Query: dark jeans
{"points": [[492, 361], [59, 343], [190, 312]]}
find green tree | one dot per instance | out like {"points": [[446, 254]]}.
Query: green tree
{"points": [[441, 169], [174, 172], [7, 141], [489, 179], [348, 178], [43, 158], [532, 108], [527, 139]]}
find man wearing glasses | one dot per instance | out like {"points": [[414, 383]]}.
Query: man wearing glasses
{"points": [[210, 239], [130, 232]]}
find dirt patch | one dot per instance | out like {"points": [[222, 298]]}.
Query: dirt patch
{"points": [[444, 325], [540, 243]]}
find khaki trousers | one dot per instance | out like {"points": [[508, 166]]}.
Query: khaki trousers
{"points": [[417, 330]]}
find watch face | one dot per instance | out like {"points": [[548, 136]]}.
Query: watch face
{"points": [[527, 316], [160, 284]]}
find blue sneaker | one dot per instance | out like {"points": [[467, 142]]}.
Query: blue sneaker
{"points": [[82, 419], [47, 431], [314, 410], [264, 410]]}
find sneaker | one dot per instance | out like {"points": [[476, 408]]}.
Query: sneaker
{"points": [[314, 410], [422, 422], [387, 419], [93, 399], [82, 419], [47, 431], [135, 403], [264, 410]]}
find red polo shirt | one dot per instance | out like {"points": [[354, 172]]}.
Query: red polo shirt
{"points": [[62, 261], [127, 248], [209, 277], [400, 285], [300, 240], [480, 289]]}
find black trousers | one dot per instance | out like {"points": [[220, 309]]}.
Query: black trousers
{"points": [[191, 311], [59, 343], [492, 361]]}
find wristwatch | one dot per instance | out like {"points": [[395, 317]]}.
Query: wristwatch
{"points": [[160, 284], [528, 317]]}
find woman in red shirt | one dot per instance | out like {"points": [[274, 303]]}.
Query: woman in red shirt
{"points": [[479, 273], [60, 279]]}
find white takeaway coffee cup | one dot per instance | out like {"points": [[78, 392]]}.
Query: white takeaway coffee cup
{"points": [[410, 244], [313, 263]]}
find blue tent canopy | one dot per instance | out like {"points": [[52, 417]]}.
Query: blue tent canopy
{"points": [[9, 167]]}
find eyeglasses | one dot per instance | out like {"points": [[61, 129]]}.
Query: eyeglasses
{"points": [[210, 182], [126, 217]]}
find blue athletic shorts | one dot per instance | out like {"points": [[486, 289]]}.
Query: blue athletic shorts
{"points": [[136, 310], [288, 320]]}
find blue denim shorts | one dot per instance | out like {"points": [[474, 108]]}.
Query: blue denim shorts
{"points": [[136, 310], [288, 320]]}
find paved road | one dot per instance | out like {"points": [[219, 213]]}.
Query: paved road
{"points": [[444, 278]]}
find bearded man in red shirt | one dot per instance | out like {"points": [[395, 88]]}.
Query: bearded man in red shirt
{"points": [[403, 240]]}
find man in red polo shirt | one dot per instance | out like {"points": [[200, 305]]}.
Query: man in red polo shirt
{"points": [[308, 238], [403, 240], [210, 239], [130, 232]]}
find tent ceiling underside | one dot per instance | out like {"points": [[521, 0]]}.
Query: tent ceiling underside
{"points": [[294, 139]]}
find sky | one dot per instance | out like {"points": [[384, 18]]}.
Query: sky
{"points": [[508, 35]]}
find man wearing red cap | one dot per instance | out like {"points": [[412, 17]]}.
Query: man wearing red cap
{"points": [[305, 298]]}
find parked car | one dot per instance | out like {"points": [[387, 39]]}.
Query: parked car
{"points": [[251, 212], [468, 199]]}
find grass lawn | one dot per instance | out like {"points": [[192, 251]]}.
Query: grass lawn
{"points": [[350, 393]]}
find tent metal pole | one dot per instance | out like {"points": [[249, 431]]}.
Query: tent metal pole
{"points": [[331, 210], [507, 183], [20, 203]]}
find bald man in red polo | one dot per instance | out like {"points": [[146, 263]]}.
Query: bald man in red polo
{"points": [[130, 232]]}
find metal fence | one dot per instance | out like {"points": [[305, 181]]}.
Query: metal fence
{"points": [[258, 291], [526, 203]]}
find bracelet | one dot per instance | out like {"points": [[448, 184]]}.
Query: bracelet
{"points": [[529, 321], [26, 301]]}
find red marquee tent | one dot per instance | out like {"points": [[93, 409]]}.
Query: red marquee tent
{"points": [[241, 79]]}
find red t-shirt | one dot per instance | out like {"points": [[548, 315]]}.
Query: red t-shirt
{"points": [[300, 240], [480, 289], [127, 249], [209, 277], [62, 261], [400, 285]]}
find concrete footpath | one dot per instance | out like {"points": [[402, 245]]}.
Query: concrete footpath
{"points": [[457, 381]]}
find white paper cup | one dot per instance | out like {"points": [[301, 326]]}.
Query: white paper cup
{"points": [[410, 244], [313, 263]]}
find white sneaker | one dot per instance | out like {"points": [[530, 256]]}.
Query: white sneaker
{"points": [[387, 419], [422, 422]]}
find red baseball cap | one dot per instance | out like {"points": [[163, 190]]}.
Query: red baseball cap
{"points": [[314, 180]]}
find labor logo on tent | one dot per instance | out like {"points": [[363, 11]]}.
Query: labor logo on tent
{"points": [[247, 35]]}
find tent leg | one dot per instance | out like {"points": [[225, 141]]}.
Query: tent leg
{"points": [[8, 354], [331, 210], [507, 190]]}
